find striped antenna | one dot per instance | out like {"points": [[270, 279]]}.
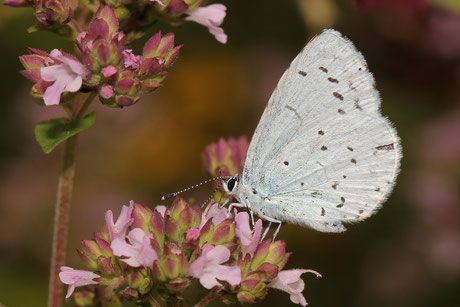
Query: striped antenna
{"points": [[170, 195], [210, 197]]}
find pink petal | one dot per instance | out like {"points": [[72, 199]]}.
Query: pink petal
{"points": [[290, 282], [119, 228], [211, 17], [76, 278], [161, 210], [218, 254], [218, 215]]}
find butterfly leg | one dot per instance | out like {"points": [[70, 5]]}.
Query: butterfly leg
{"points": [[265, 232], [272, 220], [237, 205], [225, 202]]}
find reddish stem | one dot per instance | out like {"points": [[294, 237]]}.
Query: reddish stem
{"points": [[61, 221]]}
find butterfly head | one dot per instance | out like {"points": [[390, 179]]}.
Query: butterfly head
{"points": [[230, 183]]}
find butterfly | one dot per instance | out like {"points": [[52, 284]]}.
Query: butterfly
{"points": [[322, 154]]}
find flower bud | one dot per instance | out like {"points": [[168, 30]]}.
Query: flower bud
{"points": [[223, 233], [139, 279], [84, 298], [270, 252], [172, 264], [54, 12], [226, 156], [142, 216]]}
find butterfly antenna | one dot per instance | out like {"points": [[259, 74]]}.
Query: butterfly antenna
{"points": [[210, 197], [170, 195]]}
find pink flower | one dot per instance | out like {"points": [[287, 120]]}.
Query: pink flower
{"points": [[139, 252], [68, 74], [118, 230], [76, 278], [212, 17], [290, 282], [208, 267], [249, 240], [131, 60], [215, 213]]}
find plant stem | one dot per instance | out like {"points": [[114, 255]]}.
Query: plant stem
{"points": [[208, 298], [64, 197], [84, 106], [153, 301]]}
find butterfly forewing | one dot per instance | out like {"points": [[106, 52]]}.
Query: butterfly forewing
{"points": [[322, 153]]}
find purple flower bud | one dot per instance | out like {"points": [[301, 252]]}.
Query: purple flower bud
{"points": [[107, 267], [106, 92], [124, 101], [18, 3], [107, 14], [109, 72], [176, 7], [54, 12]]}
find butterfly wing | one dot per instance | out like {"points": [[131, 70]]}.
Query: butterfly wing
{"points": [[322, 153]]}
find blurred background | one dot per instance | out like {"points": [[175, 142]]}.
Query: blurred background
{"points": [[406, 255]]}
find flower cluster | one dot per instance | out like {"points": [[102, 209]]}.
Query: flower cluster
{"points": [[226, 156], [157, 255], [105, 64], [119, 76]]}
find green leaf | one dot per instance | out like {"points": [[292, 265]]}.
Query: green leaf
{"points": [[51, 133]]}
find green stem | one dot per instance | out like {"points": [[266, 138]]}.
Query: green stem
{"points": [[153, 301], [208, 298], [61, 221], [84, 106]]}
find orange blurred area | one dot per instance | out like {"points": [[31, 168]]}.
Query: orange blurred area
{"points": [[406, 255]]}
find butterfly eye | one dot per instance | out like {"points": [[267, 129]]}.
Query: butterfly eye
{"points": [[231, 184]]}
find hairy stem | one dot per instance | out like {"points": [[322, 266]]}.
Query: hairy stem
{"points": [[63, 202], [208, 298], [64, 197]]}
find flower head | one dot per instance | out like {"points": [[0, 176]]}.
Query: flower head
{"points": [[170, 247], [212, 17], [76, 278]]}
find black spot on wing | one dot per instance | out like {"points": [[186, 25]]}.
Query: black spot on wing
{"points": [[323, 212], [323, 148], [385, 147], [353, 161], [302, 73], [323, 69], [338, 96], [321, 132], [333, 80], [286, 163], [349, 148], [342, 112]]}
